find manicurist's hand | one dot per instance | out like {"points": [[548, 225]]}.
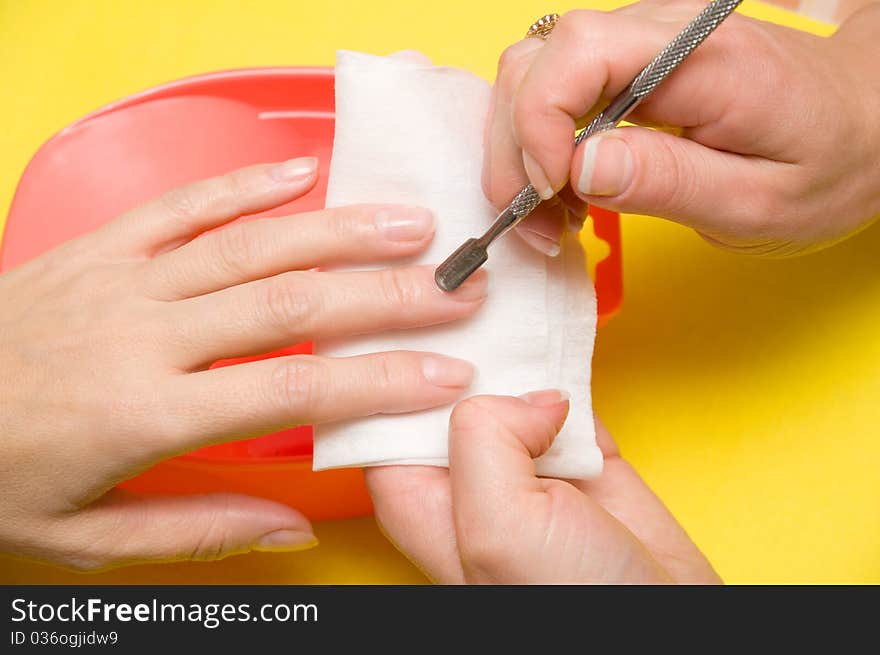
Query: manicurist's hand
{"points": [[489, 519], [778, 143], [105, 344]]}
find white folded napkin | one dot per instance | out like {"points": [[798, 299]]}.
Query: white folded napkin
{"points": [[409, 132]]}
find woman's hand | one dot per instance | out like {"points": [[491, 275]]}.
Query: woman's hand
{"points": [[777, 131], [489, 519], [105, 344]]}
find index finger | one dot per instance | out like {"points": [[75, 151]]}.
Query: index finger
{"points": [[184, 212], [589, 55]]}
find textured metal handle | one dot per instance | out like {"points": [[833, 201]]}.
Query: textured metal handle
{"points": [[471, 255], [666, 61], [682, 45], [524, 202]]}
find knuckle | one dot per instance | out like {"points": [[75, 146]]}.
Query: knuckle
{"points": [[576, 23], [150, 415], [182, 202], [344, 223], [298, 384], [188, 202], [508, 55], [473, 416], [236, 247], [470, 414], [144, 415], [513, 63], [400, 289], [288, 300], [234, 184], [213, 542], [385, 372], [208, 550], [676, 184], [229, 188]]}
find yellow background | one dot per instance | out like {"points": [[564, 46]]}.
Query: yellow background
{"points": [[746, 392]]}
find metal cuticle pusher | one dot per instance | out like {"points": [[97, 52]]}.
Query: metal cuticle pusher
{"points": [[473, 253]]}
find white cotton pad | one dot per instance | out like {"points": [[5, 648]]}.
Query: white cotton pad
{"points": [[411, 133]]}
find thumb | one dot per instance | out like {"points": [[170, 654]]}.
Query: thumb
{"points": [[637, 170], [124, 528], [492, 443]]}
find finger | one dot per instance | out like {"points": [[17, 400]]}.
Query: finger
{"points": [[588, 52], [543, 228], [125, 528], [503, 172], [261, 248], [233, 402], [725, 196], [624, 495], [414, 509], [576, 208], [604, 440], [492, 442], [187, 211], [503, 511], [499, 504], [593, 55], [298, 306]]}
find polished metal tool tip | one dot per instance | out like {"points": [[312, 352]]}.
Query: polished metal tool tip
{"points": [[459, 266]]}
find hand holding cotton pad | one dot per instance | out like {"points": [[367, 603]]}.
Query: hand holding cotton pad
{"points": [[411, 133]]}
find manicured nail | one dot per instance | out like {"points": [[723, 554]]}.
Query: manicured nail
{"points": [[545, 398], [294, 170], [285, 541], [475, 288], [447, 371], [537, 177], [540, 242], [404, 223], [607, 167]]}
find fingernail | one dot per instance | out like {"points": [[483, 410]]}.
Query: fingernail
{"points": [[475, 288], [574, 223], [537, 177], [540, 242], [607, 167], [286, 541], [577, 211], [447, 371], [294, 170], [404, 223], [545, 398]]}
